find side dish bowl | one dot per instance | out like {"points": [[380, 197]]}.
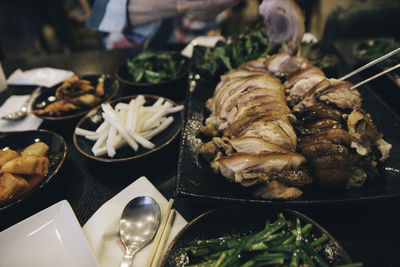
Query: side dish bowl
{"points": [[94, 118], [173, 88], [111, 87], [56, 154]]}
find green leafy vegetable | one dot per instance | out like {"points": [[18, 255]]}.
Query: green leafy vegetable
{"points": [[155, 66], [250, 45]]}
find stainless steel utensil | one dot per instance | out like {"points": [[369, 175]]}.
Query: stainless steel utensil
{"points": [[366, 66], [138, 225], [24, 110]]}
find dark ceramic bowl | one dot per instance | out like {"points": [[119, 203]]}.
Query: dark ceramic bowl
{"points": [[111, 87], [238, 220], [93, 119], [56, 154], [173, 88]]}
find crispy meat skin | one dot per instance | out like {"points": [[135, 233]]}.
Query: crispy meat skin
{"points": [[319, 111], [296, 178]]}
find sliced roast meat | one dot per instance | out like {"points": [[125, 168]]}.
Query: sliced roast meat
{"points": [[255, 145], [332, 135], [283, 65], [259, 81], [340, 95], [276, 190], [325, 124], [236, 165], [317, 112], [249, 110], [303, 74], [239, 125], [273, 131], [318, 150], [300, 89], [284, 21], [309, 98]]}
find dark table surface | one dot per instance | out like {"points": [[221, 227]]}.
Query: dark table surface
{"points": [[368, 230]]}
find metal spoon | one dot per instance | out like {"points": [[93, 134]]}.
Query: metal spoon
{"points": [[138, 225], [23, 111]]}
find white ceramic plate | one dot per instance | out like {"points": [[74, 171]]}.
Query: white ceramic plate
{"points": [[51, 237]]}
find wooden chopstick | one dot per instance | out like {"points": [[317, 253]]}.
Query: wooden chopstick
{"points": [[159, 234], [164, 238], [366, 66], [375, 76]]}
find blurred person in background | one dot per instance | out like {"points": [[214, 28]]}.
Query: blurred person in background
{"points": [[147, 23], [22, 26], [36, 27]]}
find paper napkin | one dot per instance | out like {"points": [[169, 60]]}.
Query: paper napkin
{"points": [[14, 103], [47, 77], [102, 229]]}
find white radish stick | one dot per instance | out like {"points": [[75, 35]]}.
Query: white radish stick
{"points": [[175, 109], [143, 141], [160, 128], [114, 121], [80, 131], [99, 143], [130, 115], [111, 140], [161, 112]]}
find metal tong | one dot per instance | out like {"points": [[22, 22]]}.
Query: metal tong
{"points": [[366, 66]]}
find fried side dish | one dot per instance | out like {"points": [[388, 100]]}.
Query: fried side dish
{"points": [[21, 170], [74, 94]]}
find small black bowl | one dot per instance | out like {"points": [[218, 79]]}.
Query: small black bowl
{"points": [[111, 87], [173, 88], [93, 119], [56, 154]]}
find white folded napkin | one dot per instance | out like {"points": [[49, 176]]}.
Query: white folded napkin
{"points": [[14, 103], [102, 229], [47, 77], [207, 41]]}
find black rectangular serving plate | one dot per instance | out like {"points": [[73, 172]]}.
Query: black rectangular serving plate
{"points": [[195, 179]]}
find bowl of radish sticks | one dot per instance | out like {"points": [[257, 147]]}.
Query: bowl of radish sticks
{"points": [[128, 128]]}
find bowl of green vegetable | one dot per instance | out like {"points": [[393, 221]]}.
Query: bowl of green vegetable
{"points": [[162, 73]]}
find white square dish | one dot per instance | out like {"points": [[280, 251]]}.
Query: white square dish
{"points": [[51, 237]]}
